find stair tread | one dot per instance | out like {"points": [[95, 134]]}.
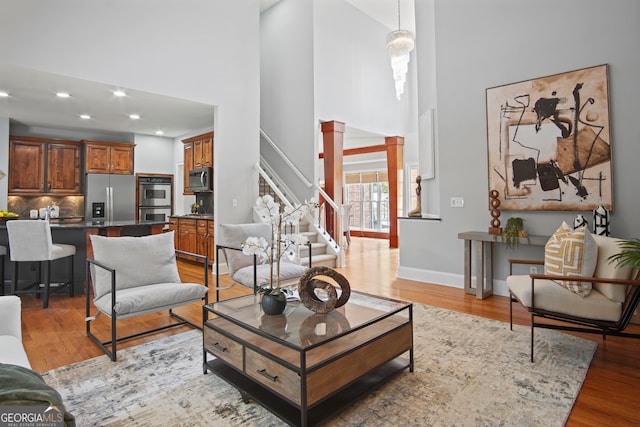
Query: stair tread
{"points": [[319, 257]]}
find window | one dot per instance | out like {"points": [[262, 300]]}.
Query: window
{"points": [[368, 195]]}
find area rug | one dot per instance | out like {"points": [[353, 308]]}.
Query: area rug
{"points": [[469, 371]]}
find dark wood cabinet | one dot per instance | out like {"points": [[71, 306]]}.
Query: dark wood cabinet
{"points": [[198, 153], [193, 235], [187, 236], [188, 165], [211, 244], [44, 166], [109, 157], [201, 236], [203, 151], [63, 168]]}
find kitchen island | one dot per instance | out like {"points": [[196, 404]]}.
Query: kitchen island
{"points": [[77, 233]]}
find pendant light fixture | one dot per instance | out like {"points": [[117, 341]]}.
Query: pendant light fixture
{"points": [[399, 45]]}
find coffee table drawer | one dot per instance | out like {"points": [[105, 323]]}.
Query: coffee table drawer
{"points": [[223, 347], [273, 375]]}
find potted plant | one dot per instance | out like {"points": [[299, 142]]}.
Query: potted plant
{"points": [[274, 300], [513, 231], [629, 256]]}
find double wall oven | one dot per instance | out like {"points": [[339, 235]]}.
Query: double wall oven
{"points": [[154, 198]]}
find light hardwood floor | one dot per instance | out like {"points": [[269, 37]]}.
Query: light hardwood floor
{"points": [[609, 396]]}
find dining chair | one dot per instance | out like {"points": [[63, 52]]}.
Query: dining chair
{"points": [[31, 241]]}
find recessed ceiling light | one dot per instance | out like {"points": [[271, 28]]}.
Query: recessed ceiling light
{"points": [[3, 94], [119, 93], [159, 132], [134, 116], [62, 95], [85, 116]]}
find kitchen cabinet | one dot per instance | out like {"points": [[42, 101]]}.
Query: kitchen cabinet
{"points": [[198, 153], [44, 166], [204, 239], [109, 157], [193, 235], [203, 151], [187, 236], [188, 165], [211, 244]]}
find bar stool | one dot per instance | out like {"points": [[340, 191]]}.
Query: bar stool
{"points": [[3, 253], [29, 241]]}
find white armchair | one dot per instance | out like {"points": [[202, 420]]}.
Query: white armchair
{"points": [[132, 276], [605, 310], [245, 269]]}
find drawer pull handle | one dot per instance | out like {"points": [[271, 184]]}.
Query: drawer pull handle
{"points": [[219, 347], [264, 373]]}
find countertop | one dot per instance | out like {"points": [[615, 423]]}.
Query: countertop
{"points": [[193, 216], [80, 225]]}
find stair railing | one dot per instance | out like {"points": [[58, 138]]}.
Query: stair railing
{"points": [[274, 187], [336, 211], [284, 158]]}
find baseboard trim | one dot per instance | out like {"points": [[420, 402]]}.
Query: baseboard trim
{"points": [[446, 279]]}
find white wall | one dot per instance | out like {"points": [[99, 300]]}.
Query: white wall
{"points": [[154, 154], [286, 88], [353, 77], [4, 160], [330, 64], [504, 41], [180, 49]]}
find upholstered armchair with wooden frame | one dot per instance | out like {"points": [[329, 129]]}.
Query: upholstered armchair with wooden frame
{"points": [[607, 309], [133, 276], [247, 269]]}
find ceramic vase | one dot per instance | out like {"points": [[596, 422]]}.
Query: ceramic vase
{"points": [[579, 221], [272, 305], [601, 221]]}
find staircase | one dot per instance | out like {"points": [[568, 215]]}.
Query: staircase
{"points": [[325, 250], [321, 252]]}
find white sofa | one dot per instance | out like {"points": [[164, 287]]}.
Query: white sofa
{"points": [[11, 349]]}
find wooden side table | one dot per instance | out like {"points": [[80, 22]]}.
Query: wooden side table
{"points": [[483, 270]]}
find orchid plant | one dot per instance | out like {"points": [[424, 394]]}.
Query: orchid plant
{"points": [[285, 245]]}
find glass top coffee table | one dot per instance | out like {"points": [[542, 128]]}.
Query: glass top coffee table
{"points": [[303, 366]]}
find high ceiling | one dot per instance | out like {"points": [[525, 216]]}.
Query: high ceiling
{"points": [[32, 96], [386, 12], [32, 101]]}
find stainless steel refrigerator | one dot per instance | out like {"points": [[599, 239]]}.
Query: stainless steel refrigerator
{"points": [[110, 197]]}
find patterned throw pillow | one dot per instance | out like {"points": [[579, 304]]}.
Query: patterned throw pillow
{"points": [[571, 253]]}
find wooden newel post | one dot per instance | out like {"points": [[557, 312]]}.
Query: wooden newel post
{"points": [[333, 142], [395, 145]]}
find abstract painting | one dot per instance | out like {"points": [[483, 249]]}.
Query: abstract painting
{"points": [[549, 144]]}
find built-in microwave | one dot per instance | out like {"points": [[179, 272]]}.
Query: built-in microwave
{"points": [[200, 180]]}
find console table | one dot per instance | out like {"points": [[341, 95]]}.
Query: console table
{"points": [[483, 271], [302, 366]]}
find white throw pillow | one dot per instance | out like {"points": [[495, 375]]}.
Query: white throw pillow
{"points": [[571, 253]]}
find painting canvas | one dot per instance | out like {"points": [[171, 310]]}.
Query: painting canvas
{"points": [[549, 144]]}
